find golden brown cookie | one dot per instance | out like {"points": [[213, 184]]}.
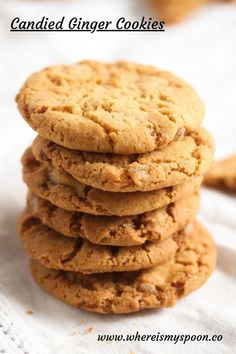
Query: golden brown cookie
{"points": [[222, 175], [64, 191], [178, 162], [160, 286], [53, 250], [172, 11], [153, 226], [122, 108]]}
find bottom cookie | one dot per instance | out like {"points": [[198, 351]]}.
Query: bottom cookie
{"points": [[127, 292]]}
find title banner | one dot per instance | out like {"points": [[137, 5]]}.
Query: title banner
{"points": [[78, 24]]}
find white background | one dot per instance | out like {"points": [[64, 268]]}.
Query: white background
{"points": [[202, 50]]}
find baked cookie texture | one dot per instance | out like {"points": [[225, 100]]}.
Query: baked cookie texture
{"points": [[222, 175], [154, 226], [178, 162], [121, 108], [126, 292], [56, 251], [62, 190]]}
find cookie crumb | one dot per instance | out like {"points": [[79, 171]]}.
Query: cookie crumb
{"points": [[74, 333], [29, 312], [189, 228], [88, 330], [81, 321]]}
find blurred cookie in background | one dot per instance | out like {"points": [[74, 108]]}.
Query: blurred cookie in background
{"points": [[222, 175], [172, 11]]}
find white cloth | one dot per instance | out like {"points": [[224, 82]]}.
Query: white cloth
{"points": [[201, 50]]}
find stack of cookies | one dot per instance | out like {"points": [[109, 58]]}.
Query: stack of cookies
{"points": [[113, 179]]}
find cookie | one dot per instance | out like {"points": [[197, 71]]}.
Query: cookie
{"points": [[153, 226], [121, 108], [172, 11], [178, 162], [53, 250], [64, 191], [126, 292], [222, 175]]}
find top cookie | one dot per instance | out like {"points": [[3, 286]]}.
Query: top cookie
{"points": [[120, 108]]}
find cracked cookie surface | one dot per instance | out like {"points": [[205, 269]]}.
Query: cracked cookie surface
{"points": [[126, 292], [222, 175], [181, 160], [153, 226], [56, 251], [62, 190], [121, 108]]}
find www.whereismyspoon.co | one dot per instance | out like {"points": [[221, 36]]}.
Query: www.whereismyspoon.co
{"points": [[79, 24]]}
